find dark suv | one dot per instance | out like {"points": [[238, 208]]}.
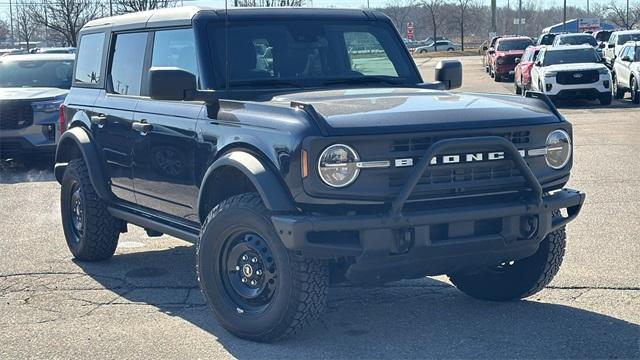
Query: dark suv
{"points": [[295, 146]]}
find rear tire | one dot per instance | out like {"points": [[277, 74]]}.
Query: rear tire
{"points": [[518, 279], [289, 290], [90, 230], [496, 77]]}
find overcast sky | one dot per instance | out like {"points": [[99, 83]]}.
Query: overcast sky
{"points": [[4, 4]]}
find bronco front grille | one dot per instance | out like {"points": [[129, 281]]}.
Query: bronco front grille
{"points": [[15, 115], [423, 143], [577, 77]]}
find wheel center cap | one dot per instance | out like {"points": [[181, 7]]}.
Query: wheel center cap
{"points": [[247, 270]]}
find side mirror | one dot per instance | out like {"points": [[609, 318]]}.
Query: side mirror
{"points": [[517, 60], [171, 83], [485, 48], [538, 63], [602, 45], [492, 51], [449, 72], [626, 58], [611, 46]]}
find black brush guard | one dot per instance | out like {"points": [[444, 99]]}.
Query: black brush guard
{"points": [[397, 244]]}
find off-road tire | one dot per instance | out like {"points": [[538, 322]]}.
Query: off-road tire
{"points": [[300, 295], [520, 280], [100, 231]]}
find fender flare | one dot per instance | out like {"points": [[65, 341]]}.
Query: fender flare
{"points": [[78, 138], [274, 195]]}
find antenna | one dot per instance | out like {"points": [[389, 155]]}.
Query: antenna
{"points": [[226, 44]]}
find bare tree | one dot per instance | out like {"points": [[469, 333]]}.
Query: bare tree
{"points": [[4, 31], [24, 24], [126, 6], [463, 7], [618, 15], [434, 9], [65, 17], [400, 12], [268, 3]]}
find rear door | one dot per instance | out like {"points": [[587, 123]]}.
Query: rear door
{"points": [[164, 155], [622, 67], [113, 110]]}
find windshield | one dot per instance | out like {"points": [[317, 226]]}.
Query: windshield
{"points": [[310, 53], [512, 45], [546, 39], [36, 73], [603, 36], [570, 57], [578, 40], [622, 39]]}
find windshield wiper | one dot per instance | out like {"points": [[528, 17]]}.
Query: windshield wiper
{"points": [[364, 80]]}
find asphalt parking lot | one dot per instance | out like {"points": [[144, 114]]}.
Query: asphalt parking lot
{"points": [[145, 301]]}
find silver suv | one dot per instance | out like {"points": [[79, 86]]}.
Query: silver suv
{"points": [[32, 88]]}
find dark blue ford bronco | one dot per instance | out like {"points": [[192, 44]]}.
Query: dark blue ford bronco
{"points": [[300, 147]]}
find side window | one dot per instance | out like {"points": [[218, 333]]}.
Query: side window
{"points": [[127, 63], [612, 39], [175, 48], [367, 55], [623, 52], [89, 61], [632, 52], [527, 55]]}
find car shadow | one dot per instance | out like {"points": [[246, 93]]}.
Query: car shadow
{"points": [[28, 169], [422, 318], [595, 104]]}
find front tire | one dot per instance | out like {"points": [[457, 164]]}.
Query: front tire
{"points": [[635, 91], [616, 91], [606, 99], [516, 279], [257, 288], [90, 230], [518, 89]]}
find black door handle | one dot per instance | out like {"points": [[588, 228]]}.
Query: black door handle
{"points": [[99, 119], [142, 127]]}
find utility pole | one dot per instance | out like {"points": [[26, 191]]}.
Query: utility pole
{"points": [[628, 26], [110, 7], [564, 17], [368, 7], [519, 17], [13, 39], [494, 27], [588, 10]]}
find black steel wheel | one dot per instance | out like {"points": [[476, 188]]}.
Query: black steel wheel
{"points": [[248, 270], [257, 288]]}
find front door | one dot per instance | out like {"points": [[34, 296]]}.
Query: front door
{"points": [[164, 151]]}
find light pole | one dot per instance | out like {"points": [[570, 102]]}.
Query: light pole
{"points": [[13, 39], [564, 17], [519, 17], [628, 26], [494, 27]]}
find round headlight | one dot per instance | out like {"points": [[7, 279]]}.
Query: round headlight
{"points": [[337, 165], [558, 149]]}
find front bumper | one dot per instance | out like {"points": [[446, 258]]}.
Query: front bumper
{"points": [[402, 244], [592, 91]]}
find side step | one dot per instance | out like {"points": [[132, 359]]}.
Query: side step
{"points": [[149, 222]]}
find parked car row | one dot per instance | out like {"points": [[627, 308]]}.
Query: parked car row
{"points": [[599, 66]]}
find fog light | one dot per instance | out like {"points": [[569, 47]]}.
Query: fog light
{"points": [[548, 87], [605, 84]]}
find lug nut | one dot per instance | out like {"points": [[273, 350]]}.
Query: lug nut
{"points": [[254, 260], [237, 268], [245, 257], [258, 272], [244, 279], [254, 283]]}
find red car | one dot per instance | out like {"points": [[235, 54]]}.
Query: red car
{"points": [[502, 57], [522, 76], [485, 56]]}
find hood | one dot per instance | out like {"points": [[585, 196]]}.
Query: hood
{"points": [[394, 110], [575, 67], [31, 93]]}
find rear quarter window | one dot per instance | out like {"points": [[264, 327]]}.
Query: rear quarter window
{"points": [[89, 60]]}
